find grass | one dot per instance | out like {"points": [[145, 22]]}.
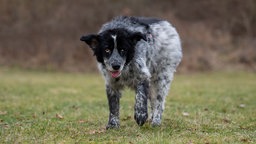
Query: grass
{"points": [[53, 107]]}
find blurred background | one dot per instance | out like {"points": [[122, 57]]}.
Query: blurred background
{"points": [[217, 35]]}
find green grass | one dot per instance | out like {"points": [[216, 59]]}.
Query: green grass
{"points": [[201, 108]]}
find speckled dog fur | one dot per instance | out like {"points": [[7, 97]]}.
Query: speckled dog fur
{"points": [[149, 70]]}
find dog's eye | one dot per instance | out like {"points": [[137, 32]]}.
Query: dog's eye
{"points": [[122, 51], [107, 50]]}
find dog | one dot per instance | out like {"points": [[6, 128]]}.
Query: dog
{"points": [[140, 53]]}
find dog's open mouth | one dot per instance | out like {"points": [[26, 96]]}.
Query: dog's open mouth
{"points": [[115, 74]]}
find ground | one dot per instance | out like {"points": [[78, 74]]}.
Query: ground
{"points": [[56, 107]]}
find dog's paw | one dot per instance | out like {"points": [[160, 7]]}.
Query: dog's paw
{"points": [[112, 126], [156, 119], [141, 117], [155, 123], [113, 123]]}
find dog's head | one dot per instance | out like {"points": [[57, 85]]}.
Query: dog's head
{"points": [[114, 48]]}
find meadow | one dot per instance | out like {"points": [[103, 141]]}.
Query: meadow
{"points": [[57, 107]]}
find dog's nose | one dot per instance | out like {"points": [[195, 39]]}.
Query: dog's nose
{"points": [[116, 67]]}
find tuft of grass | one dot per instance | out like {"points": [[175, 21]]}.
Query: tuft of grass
{"points": [[55, 107]]}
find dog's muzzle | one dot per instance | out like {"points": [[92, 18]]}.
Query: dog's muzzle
{"points": [[116, 72]]}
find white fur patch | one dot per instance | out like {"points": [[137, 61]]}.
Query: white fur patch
{"points": [[114, 38]]}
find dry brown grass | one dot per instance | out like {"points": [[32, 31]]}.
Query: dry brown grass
{"points": [[216, 35]]}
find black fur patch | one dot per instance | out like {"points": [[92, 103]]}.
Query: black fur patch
{"points": [[126, 42]]}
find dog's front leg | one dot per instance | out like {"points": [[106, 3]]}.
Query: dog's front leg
{"points": [[113, 102], [140, 108]]}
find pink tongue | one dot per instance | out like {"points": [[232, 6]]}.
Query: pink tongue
{"points": [[115, 74]]}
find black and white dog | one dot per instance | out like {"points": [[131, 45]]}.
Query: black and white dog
{"points": [[142, 54]]}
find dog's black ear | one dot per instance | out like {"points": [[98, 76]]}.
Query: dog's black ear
{"points": [[92, 40], [137, 36]]}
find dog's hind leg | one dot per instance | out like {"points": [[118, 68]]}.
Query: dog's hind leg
{"points": [[113, 102], [161, 87]]}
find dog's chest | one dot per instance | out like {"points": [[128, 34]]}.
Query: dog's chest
{"points": [[128, 78]]}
